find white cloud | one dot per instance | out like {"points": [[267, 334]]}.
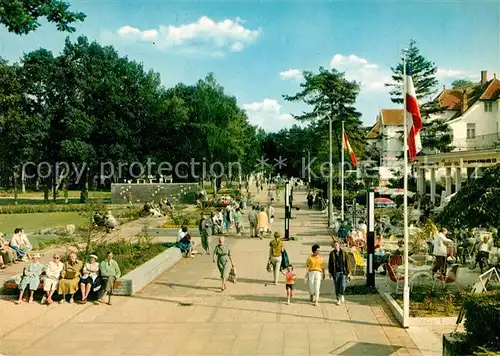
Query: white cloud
{"points": [[370, 75], [268, 115], [292, 74], [205, 36], [445, 73]]}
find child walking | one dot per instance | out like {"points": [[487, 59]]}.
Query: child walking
{"points": [[290, 281]]}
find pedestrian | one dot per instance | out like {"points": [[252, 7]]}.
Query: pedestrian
{"points": [[270, 215], [262, 222], [441, 251], [316, 273], [205, 227], [228, 220], [252, 220], [238, 221], [110, 273], [223, 255], [338, 266], [290, 281], [310, 200], [275, 250]]}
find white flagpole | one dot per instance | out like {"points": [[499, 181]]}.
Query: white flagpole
{"points": [[342, 174], [406, 289]]}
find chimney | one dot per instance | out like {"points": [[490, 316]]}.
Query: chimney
{"points": [[484, 77], [465, 101]]}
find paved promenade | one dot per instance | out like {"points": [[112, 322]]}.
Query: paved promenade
{"points": [[183, 312]]}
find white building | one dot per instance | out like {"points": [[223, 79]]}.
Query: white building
{"points": [[473, 115]]}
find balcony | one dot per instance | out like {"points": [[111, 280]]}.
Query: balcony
{"points": [[481, 142]]}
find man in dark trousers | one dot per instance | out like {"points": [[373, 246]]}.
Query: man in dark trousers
{"points": [[338, 266], [310, 200]]}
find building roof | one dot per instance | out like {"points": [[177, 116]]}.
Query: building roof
{"points": [[492, 91], [450, 99], [392, 117], [374, 131]]}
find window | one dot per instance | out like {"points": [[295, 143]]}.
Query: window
{"points": [[471, 130], [488, 106]]}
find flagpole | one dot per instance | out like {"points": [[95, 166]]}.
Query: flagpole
{"points": [[342, 173], [406, 289]]}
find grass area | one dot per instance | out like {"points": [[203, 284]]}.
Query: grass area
{"points": [[37, 221], [129, 255], [428, 303]]}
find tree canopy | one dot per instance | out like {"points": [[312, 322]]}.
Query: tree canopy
{"points": [[475, 204], [90, 105], [22, 16]]}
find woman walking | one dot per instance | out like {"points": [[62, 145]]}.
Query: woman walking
{"points": [[316, 273], [223, 255], [275, 250]]}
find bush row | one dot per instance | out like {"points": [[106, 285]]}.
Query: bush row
{"points": [[42, 208]]}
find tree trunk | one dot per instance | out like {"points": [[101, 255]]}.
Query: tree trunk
{"points": [[15, 187], [54, 184], [84, 187], [46, 191], [23, 182]]}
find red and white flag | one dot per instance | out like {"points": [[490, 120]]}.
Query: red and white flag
{"points": [[347, 146], [413, 117]]}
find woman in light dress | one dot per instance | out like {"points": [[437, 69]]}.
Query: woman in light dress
{"points": [[31, 278], [70, 275], [223, 255], [90, 279], [52, 274]]}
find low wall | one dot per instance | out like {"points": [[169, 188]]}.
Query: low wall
{"points": [[142, 192], [140, 277]]}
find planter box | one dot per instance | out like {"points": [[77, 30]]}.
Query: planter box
{"points": [[451, 345], [140, 277], [397, 311]]}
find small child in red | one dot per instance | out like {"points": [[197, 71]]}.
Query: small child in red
{"points": [[290, 281]]}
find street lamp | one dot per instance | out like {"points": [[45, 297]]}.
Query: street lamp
{"points": [[308, 165]]}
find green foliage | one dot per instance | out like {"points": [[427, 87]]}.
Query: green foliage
{"points": [[39, 208], [432, 303], [461, 84], [21, 16], [423, 75], [360, 289], [475, 204], [129, 255], [62, 240], [482, 321]]}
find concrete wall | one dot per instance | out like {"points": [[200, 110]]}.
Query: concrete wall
{"points": [[140, 277], [142, 192]]}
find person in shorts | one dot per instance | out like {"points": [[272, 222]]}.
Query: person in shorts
{"points": [[290, 281]]}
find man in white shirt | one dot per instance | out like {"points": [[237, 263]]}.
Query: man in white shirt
{"points": [[181, 233], [441, 243], [20, 243]]}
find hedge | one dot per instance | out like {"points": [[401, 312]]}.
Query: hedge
{"points": [[482, 323], [42, 208]]}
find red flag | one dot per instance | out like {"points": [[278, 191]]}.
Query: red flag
{"points": [[347, 146], [413, 117]]}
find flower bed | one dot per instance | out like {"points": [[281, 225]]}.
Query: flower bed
{"points": [[429, 303]]}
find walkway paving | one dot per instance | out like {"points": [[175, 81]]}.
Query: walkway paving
{"points": [[183, 312]]}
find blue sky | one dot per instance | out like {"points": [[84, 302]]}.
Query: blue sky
{"points": [[257, 50]]}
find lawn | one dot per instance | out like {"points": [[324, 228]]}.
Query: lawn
{"points": [[37, 221]]}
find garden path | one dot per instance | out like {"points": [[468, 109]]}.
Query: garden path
{"points": [[183, 313]]}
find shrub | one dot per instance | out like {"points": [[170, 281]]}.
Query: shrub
{"points": [[42, 208], [482, 321], [129, 255]]}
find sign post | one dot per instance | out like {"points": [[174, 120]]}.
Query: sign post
{"points": [[288, 210], [370, 238]]}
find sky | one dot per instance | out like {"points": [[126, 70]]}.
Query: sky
{"points": [[258, 49]]}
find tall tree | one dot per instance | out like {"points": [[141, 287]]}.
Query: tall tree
{"points": [[21, 16], [329, 93], [461, 84], [423, 74], [436, 134]]}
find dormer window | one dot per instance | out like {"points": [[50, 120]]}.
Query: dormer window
{"points": [[488, 106]]}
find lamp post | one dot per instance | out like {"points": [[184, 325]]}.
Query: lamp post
{"points": [[308, 166]]}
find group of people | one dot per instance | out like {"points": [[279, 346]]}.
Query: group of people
{"points": [[105, 220], [157, 211], [16, 249], [261, 220], [69, 276], [339, 269]]}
